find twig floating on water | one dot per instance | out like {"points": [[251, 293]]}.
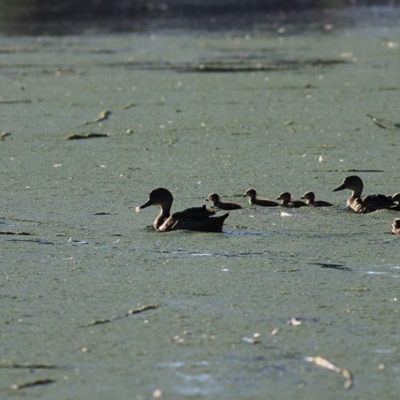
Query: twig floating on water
{"points": [[15, 233], [127, 314], [383, 123], [322, 362], [88, 135], [36, 382], [101, 117], [11, 365]]}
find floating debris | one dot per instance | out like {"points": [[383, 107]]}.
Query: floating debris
{"points": [[15, 101], [36, 382], [15, 233], [294, 322], [4, 135], [252, 340], [339, 267], [128, 105], [101, 117], [127, 314], [383, 123], [88, 135], [11, 364], [322, 362]]}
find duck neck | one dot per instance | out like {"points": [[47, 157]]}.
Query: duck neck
{"points": [[165, 213], [357, 192]]}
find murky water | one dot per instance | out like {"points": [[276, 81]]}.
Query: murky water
{"points": [[95, 304]]}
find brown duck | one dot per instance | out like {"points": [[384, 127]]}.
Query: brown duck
{"points": [[310, 200], [396, 226], [217, 203], [252, 195], [367, 203], [193, 219], [287, 202]]}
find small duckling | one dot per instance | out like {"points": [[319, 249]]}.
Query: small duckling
{"points": [[310, 200], [217, 203], [287, 202], [252, 195], [363, 204], [396, 226], [395, 197]]}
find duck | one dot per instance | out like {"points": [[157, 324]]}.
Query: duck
{"points": [[217, 203], [396, 226], [193, 219], [252, 195], [287, 202], [310, 200], [366, 203]]}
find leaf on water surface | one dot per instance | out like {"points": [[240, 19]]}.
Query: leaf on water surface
{"points": [[383, 123], [324, 363], [294, 321], [4, 135]]}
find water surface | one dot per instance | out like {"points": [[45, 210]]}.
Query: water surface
{"points": [[95, 304]]}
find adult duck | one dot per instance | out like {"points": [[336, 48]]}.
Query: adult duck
{"points": [[367, 203], [309, 197], [287, 201], [254, 200], [217, 203], [193, 219]]}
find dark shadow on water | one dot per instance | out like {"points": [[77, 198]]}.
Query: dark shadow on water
{"points": [[38, 17]]}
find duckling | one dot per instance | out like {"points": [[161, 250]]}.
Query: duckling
{"points": [[367, 203], [287, 202], [194, 219], [310, 200], [395, 197], [252, 195], [217, 203], [396, 226]]}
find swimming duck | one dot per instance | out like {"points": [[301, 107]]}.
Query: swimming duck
{"points": [[310, 200], [252, 195], [363, 204], [194, 219], [396, 226], [217, 203], [287, 202]]}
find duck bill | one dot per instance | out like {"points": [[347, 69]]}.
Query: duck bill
{"points": [[341, 187], [147, 204]]}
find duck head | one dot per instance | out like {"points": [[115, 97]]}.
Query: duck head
{"points": [[250, 193], [158, 197], [353, 183]]}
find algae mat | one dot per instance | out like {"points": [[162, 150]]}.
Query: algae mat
{"points": [[282, 304]]}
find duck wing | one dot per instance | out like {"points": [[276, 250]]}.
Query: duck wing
{"points": [[378, 201], [194, 219], [196, 213]]}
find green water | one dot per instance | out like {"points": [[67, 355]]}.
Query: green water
{"points": [[273, 112]]}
